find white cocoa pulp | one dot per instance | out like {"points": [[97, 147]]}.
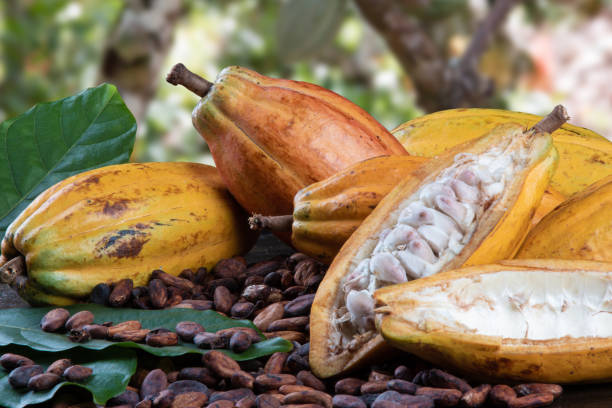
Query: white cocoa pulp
{"points": [[529, 305], [432, 226]]}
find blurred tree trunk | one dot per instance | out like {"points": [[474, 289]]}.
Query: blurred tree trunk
{"points": [[136, 49], [440, 83]]}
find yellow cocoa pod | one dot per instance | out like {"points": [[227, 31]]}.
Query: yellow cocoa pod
{"points": [[472, 205], [580, 228], [124, 221], [550, 200], [523, 320], [584, 156]]}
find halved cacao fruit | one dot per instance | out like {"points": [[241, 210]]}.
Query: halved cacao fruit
{"points": [[271, 137], [584, 156], [550, 200], [467, 207], [523, 320], [580, 228], [122, 221]]}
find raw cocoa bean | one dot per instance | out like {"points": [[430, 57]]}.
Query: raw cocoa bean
{"points": [[158, 293], [170, 280], [137, 336], [221, 404], [206, 340], [239, 342], [402, 372], [300, 306], [19, 377], [161, 339], [188, 330], [223, 299], [123, 326], [275, 363], [79, 335], [268, 401], [228, 333], [347, 401], [232, 395], [100, 294], [273, 279], [309, 397], [532, 401], [183, 386], [190, 400], [175, 299], [537, 388], [9, 361], [77, 373], [253, 280], [229, 268], [286, 279], [220, 364], [476, 397], [246, 402], [276, 295], [267, 382], [313, 282], [201, 374], [502, 395], [304, 270], [121, 293], [78, 320], [402, 386], [127, 397], [263, 268], [154, 382], [96, 331], [289, 323], [242, 310], [295, 258], [441, 379], [351, 386], [442, 397], [42, 382], [307, 378], [289, 388], [296, 363], [202, 277], [59, 366], [54, 320], [195, 304], [269, 314], [293, 292], [242, 379], [188, 274], [253, 293], [163, 399], [373, 387]]}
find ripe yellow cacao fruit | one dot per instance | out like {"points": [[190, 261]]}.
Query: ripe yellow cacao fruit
{"points": [[522, 320], [580, 228], [470, 206], [271, 137], [124, 221], [584, 156], [550, 200]]}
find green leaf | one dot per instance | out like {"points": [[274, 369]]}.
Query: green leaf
{"points": [[55, 140], [22, 326], [112, 370], [307, 26]]}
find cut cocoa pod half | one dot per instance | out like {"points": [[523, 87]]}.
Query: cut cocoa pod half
{"points": [[546, 321], [579, 228], [470, 206]]}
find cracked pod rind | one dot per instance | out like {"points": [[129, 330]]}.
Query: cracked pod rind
{"points": [[584, 156], [271, 137], [124, 221], [492, 358], [497, 236], [585, 223]]}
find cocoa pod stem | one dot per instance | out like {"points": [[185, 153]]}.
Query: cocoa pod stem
{"points": [[553, 121], [180, 75], [274, 223], [11, 269]]}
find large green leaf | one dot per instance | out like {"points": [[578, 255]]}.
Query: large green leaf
{"points": [[22, 326], [112, 370], [55, 140]]}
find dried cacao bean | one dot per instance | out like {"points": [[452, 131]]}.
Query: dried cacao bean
{"points": [[124, 326], [183, 386], [121, 293], [350, 386], [309, 396], [10, 361], [196, 304], [127, 397], [19, 377], [200, 374], [293, 292], [300, 306], [476, 397], [347, 401], [242, 310], [161, 339], [536, 388], [153, 383], [42, 382], [286, 279], [273, 279], [267, 382], [267, 401], [158, 293], [239, 342], [59, 366], [190, 400], [188, 274], [229, 268], [96, 331], [232, 395], [79, 335], [296, 363], [137, 336], [242, 379], [228, 333], [532, 401], [502, 395], [263, 268], [373, 387], [268, 315], [287, 335], [304, 270], [54, 320], [253, 293], [442, 397], [289, 323], [441, 379], [223, 299], [80, 319], [77, 373], [206, 340], [170, 280], [221, 404], [220, 364], [100, 294], [188, 330], [275, 363], [402, 386], [308, 379]]}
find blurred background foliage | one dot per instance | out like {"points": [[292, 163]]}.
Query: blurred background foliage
{"points": [[545, 52]]}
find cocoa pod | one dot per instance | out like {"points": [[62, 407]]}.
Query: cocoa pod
{"points": [[10, 361], [77, 373], [96, 331], [42, 382], [300, 306], [188, 330], [347, 401], [220, 364], [310, 396], [59, 366], [121, 293], [442, 397], [54, 320], [532, 401], [206, 340], [78, 320], [154, 382], [536, 388], [476, 397], [351, 386], [124, 326], [19, 377], [136, 336], [190, 400], [275, 363], [158, 293], [200, 374], [268, 315], [267, 382], [161, 339]]}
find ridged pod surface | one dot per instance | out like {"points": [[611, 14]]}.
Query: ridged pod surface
{"points": [[584, 156], [271, 137], [579, 228], [523, 320], [419, 229], [124, 221]]}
